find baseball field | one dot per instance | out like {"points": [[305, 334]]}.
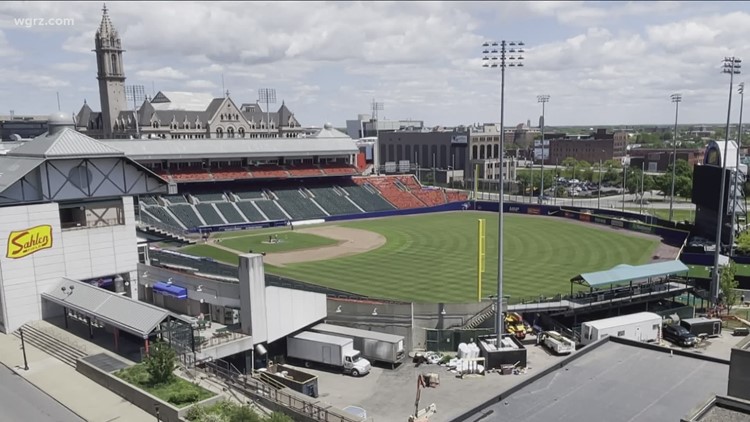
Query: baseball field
{"points": [[433, 257]]}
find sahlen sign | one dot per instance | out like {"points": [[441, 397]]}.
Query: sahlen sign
{"points": [[22, 243]]}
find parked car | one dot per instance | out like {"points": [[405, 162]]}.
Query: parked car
{"points": [[679, 335]]}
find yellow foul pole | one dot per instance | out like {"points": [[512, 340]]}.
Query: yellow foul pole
{"points": [[481, 245]]}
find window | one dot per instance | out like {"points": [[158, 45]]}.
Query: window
{"points": [[219, 132], [230, 132], [655, 327], [621, 333], [241, 132], [155, 125], [113, 57]]}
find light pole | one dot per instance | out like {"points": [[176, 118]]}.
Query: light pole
{"points": [[500, 55], [732, 67], [377, 106], [676, 98], [735, 186], [643, 177], [624, 184], [599, 191], [542, 99], [23, 349], [268, 96]]}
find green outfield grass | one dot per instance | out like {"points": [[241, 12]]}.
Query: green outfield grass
{"points": [[211, 252], [287, 241], [432, 258], [677, 214]]}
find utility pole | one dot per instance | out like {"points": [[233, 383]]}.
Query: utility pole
{"points": [[676, 98]]}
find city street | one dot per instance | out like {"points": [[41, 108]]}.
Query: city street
{"points": [[21, 401]]}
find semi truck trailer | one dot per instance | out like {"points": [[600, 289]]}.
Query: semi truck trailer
{"points": [[374, 346], [642, 326]]}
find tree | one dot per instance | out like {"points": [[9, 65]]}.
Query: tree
{"points": [[728, 285], [160, 362], [743, 243]]}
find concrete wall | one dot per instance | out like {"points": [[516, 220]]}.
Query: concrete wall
{"points": [[409, 320], [215, 292], [79, 254], [140, 398], [739, 370]]}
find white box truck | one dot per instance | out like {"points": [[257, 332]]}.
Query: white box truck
{"points": [[642, 326], [373, 345], [325, 349]]}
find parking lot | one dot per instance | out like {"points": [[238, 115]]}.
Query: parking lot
{"points": [[389, 395], [718, 347]]}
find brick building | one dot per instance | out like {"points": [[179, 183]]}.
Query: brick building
{"points": [[659, 159]]}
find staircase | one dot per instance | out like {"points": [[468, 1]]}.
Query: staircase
{"points": [[151, 228], [53, 346], [479, 318]]}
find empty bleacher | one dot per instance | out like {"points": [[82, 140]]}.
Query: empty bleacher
{"points": [[230, 213], [456, 196], [190, 174], [270, 209], [147, 200], [162, 215], [333, 202], [251, 213], [229, 173], [368, 201], [304, 170], [209, 214], [298, 206], [269, 170], [336, 168], [250, 194], [175, 199], [210, 197], [402, 199], [186, 214]]}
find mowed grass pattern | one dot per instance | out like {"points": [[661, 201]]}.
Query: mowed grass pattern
{"points": [[287, 241], [432, 258]]}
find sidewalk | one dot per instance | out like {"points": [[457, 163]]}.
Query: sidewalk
{"points": [[82, 396]]}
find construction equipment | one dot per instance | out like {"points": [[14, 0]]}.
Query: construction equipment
{"points": [[515, 325], [557, 343], [424, 381]]}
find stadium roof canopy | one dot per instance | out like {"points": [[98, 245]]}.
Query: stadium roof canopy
{"points": [[233, 148], [129, 315], [624, 273]]}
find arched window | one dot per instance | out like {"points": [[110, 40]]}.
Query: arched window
{"points": [[219, 132], [114, 64], [230, 132], [198, 125], [241, 132], [155, 125]]}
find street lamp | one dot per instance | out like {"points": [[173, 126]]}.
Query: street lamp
{"points": [[676, 98], [23, 349], [732, 67], [542, 99], [735, 186], [499, 55]]}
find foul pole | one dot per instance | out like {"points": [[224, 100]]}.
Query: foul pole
{"points": [[481, 249]]}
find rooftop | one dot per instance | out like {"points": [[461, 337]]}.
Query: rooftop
{"points": [[623, 382], [624, 273]]}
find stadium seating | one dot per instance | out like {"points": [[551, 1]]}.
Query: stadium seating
{"points": [[270, 209], [336, 168], [230, 173], [304, 170], [367, 200], [186, 214], [147, 200], [209, 214], [402, 199], [268, 171], [163, 216], [455, 196], [190, 174], [251, 194], [230, 213], [175, 199], [333, 202], [210, 197], [251, 213], [430, 196], [298, 206]]}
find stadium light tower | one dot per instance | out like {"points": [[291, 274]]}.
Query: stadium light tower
{"points": [[377, 106], [499, 55], [676, 98], [732, 67], [136, 94], [542, 99], [735, 184], [268, 96]]}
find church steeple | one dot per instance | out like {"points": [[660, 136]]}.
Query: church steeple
{"points": [[110, 72]]}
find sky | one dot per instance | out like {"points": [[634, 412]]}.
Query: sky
{"points": [[601, 63]]}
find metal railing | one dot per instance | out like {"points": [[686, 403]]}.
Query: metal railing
{"points": [[258, 389]]}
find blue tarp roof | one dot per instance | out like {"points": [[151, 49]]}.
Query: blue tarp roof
{"points": [[170, 290], [624, 273]]}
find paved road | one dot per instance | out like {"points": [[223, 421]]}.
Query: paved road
{"points": [[21, 401]]}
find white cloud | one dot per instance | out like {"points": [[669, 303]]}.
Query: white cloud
{"points": [[200, 84], [166, 72], [73, 66]]}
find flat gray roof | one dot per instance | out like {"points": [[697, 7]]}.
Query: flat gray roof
{"points": [[192, 149], [310, 336], [349, 331], [615, 383], [625, 273], [133, 316]]}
